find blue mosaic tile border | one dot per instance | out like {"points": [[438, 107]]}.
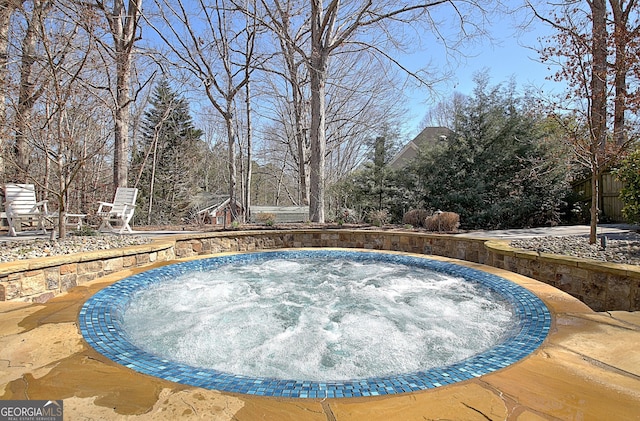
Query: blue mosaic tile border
{"points": [[100, 322]]}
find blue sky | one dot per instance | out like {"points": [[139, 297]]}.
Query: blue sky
{"points": [[508, 55]]}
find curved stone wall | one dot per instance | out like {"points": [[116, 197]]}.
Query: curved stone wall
{"points": [[43, 278], [602, 286]]}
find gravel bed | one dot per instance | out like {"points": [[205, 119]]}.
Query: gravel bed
{"points": [[29, 249], [616, 251]]}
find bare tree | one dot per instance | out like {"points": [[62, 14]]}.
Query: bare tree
{"points": [[32, 82], [290, 38], [363, 101], [211, 42], [275, 182], [249, 148], [582, 41], [337, 27], [66, 136], [626, 64], [362, 97], [55, 112], [152, 152], [7, 9], [123, 18], [246, 136], [443, 113], [334, 27], [215, 170]]}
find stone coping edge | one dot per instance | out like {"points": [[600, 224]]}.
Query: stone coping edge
{"points": [[64, 259], [503, 247]]}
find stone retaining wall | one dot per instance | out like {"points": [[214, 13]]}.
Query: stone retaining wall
{"points": [[602, 286], [40, 279]]}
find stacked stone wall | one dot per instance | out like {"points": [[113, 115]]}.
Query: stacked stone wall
{"points": [[40, 279], [602, 286]]}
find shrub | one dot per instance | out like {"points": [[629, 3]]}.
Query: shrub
{"points": [[442, 221], [629, 174], [378, 217], [266, 218], [415, 217], [497, 169], [346, 216], [85, 231]]}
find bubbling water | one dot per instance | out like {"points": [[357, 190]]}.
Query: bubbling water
{"points": [[317, 319]]}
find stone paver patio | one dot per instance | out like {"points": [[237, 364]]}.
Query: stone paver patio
{"points": [[587, 369]]}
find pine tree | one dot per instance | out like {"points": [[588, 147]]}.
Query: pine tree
{"points": [[166, 164]]}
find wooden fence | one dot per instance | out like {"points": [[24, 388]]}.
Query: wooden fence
{"points": [[610, 203]]}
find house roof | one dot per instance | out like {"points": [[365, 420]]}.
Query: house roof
{"points": [[427, 136], [213, 209]]}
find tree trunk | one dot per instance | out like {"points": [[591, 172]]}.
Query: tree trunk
{"points": [[621, 68], [247, 198], [299, 109], [121, 133], [317, 139], [620, 101], [300, 135], [28, 94], [153, 176], [303, 194], [47, 176], [62, 202], [6, 10], [123, 23], [317, 66], [231, 143], [598, 109], [595, 206]]}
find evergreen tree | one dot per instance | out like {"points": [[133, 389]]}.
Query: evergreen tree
{"points": [[372, 188], [499, 170], [167, 164]]}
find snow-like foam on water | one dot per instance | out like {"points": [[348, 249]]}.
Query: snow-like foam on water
{"points": [[317, 319]]}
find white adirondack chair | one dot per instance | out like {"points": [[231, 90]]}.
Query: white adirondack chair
{"points": [[120, 211], [22, 207]]}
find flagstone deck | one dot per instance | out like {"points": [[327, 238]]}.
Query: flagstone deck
{"points": [[587, 369]]}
